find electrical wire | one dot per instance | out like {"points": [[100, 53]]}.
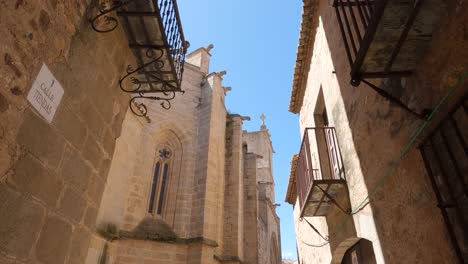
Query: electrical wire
{"points": [[405, 151], [315, 229], [395, 163], [312, 245]]}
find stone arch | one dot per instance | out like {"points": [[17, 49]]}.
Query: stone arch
{"points": [[182, 140], [125, 199], [365, 246], [168, 139]]}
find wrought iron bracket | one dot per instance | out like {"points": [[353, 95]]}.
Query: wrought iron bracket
{"points": [[148, 75], [334, 201], [159, 58], [140, 109], [424, 115], [103, 18]]}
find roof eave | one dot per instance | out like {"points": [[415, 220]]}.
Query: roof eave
{"points": [[304, 54]]}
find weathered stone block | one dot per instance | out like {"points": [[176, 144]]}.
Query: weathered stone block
{"points": [[90, 217], [43, 141], [119, 112], [30, 176], [20, 222], [70, 126], [92, 119], [79, 246], [73, 90], [72, 205], [54, 241], [101, 96], [95, 189], [92, 152], [6, 260], [3, 103], [104, 169], [108, 142], [75, 171]]}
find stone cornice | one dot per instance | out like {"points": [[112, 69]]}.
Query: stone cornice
{"points": [[174, 240], [304, 54], [225, 258]]}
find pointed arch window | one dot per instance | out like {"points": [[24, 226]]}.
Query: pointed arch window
{"points": [[159, 184]]}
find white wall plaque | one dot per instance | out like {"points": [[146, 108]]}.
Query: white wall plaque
{"points": [[45, 94]]}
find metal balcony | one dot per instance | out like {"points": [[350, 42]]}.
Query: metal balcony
{"points": [[445, 154], [154, 32], [386, 38], [320, 175]]}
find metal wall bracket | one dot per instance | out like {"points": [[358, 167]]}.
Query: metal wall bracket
{"points": [[108, 22], [155, 36], [148, 78], [334, 201], [423, 115]]}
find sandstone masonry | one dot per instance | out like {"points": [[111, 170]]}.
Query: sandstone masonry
{"points": [[88, 187]]}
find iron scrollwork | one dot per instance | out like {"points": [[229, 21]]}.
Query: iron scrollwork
{"points": [[140, 109], [108, 22], [147, 78], [159, 66]]}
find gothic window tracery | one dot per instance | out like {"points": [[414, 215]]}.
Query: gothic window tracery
{"points": [[160, 178]]}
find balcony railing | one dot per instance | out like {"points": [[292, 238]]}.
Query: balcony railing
{"points": [[320, 174], [385, 38], [154, 32], [445, 153]]}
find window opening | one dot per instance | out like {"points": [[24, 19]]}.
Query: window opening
{"points": [[160, 178], [153, 188], [163, 187]]}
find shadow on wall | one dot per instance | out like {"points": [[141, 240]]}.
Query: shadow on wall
{"points": [[439, 69]]}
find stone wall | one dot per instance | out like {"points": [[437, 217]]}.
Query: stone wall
{"points": [[372, 132], [77, 190], [204, 209], [52, 175], [259, 142], [126, 198], [113, 204], [139, 251], [250, 209], [233, 207]]}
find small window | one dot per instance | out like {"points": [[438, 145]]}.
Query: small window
{"points": [[153, 188], [159, 184]]}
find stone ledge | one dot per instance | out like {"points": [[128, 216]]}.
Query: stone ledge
{"points": [[225, 258]]}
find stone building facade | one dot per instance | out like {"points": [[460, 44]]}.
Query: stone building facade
{"points": [[98, 184], [381, 173], [219, 201]]}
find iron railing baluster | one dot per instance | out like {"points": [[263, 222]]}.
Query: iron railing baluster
{"points": [[307, 172], [348, 27], [353, 19]]}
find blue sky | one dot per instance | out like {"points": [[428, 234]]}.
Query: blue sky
{"points": [[255, 42]]}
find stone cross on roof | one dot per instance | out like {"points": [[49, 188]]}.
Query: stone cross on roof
{"points": [[263, 126]]}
